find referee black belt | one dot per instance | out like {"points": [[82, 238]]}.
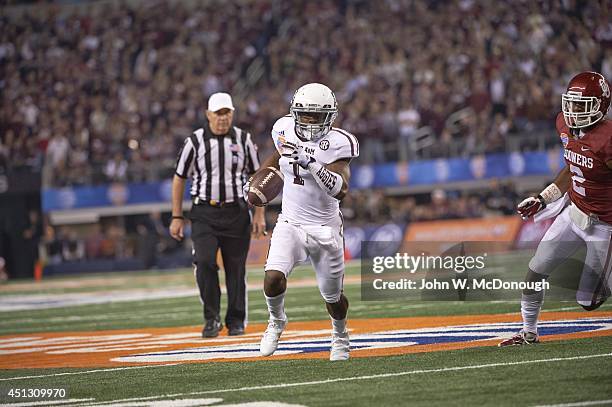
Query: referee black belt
{"points": [[214, 203]]}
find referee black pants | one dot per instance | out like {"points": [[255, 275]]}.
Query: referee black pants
{"points": [[228, 229]]}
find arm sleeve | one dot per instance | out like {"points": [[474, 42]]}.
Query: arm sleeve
{"points": [[184, 162], [327, 180]]}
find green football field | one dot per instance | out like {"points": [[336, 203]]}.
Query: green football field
{"points": [[566, 368]]}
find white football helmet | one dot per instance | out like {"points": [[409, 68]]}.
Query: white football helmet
{"points": [[314, 109]]}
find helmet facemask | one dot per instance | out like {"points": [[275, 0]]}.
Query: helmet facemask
{"points": [[312, 123], [580, 111]]}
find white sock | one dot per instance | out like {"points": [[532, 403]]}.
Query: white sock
{"points": [[276, 306], [339, 325], [530, 310]]}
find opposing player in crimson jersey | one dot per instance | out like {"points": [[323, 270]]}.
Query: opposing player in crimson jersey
{"points": [[314, 158], [581, 196]]}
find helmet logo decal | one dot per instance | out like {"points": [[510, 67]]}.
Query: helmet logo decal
{"points": [[564, 139]]}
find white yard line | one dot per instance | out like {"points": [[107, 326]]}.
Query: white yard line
{"points": [[580, 403], [84, 372], [406, 373], [48, 402], [328, 381]]}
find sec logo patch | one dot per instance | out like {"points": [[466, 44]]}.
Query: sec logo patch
{"points": [[324, 145]]}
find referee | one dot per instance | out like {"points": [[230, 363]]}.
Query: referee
{"points": [[220, 157]]}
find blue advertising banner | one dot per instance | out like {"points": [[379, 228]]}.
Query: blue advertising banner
{"points": [[107, 195], [426, 172]]}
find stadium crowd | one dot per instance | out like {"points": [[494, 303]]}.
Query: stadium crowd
{"points": [[108, 92], [142, 236], [362, 207]]}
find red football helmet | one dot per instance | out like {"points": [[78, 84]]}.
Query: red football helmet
{"points": [[586, 101]]}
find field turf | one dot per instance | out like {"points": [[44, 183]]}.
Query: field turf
{"points": [[574, 370]]}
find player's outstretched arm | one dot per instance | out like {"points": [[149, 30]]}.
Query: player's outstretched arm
{"points": [[271, 161], [563, 180], [534, 204]]}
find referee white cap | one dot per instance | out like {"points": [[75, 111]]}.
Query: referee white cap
{"points": [[218, 101]]}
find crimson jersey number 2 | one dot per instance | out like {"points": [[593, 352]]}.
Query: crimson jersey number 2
{"points": [[577, 180]]}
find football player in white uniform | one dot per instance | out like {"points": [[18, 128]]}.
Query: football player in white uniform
{"points": [[314, 159]]}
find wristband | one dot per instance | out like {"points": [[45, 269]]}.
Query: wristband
{"points": [[551, 193], [178, 217]]}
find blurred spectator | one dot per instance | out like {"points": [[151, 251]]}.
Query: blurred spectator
{"points": [[501, 198], [408, 120], [94, 242], [32, 235], [440, 205], [116, 169], [73, 248], [149, 231], [57, 149], [364, 206], [52, 247], [3, 274]]}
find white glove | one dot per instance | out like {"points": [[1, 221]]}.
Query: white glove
{"points": [[297, 154], [245, 190]]}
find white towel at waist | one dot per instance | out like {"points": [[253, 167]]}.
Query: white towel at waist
{"points": [[320, 237], [552, 209]]}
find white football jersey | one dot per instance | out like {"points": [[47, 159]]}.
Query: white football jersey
{"points": [[304, 202]]}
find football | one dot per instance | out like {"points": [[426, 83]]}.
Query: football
{"points": [[265, 185]]}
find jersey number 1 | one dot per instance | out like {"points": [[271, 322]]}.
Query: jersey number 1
{"points": [[296, 171], [577, 179]]}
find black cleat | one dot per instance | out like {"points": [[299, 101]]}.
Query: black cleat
{"points": [[235, 330], [211, 329], [593, 306]]}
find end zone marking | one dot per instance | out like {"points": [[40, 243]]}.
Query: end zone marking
{"points": [[304, 340]]}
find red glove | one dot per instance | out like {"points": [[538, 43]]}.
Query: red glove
{"points": [[530, 206]]}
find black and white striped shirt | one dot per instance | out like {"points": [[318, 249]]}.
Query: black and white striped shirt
{"points": [[219, 164]]}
